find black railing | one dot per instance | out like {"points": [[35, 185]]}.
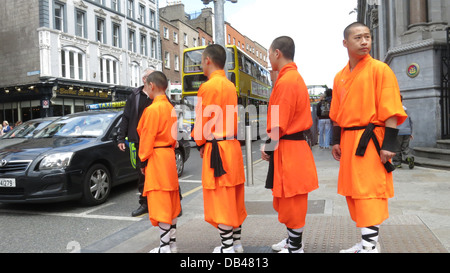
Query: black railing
{"points": [[445, 89]]}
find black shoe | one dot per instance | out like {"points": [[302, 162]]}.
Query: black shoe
{"points": [[410, 161], [140, 211], [181, 212]]}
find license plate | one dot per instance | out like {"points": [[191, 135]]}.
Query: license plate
{"points": [[7, 183]]}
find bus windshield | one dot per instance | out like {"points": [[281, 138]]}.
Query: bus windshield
{"points": [[193, 60]]}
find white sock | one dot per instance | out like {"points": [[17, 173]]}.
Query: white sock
{"points": [[226, 234], [173, 232], [237, 236], [164, 233], [370, 236]]}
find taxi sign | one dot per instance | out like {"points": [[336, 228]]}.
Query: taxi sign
{"points": [[106, 105]]}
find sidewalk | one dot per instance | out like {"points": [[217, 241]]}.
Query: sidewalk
{"points": [[419, 216]]}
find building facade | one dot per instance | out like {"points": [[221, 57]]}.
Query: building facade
{"points": [[412, 37], [71, 53]]}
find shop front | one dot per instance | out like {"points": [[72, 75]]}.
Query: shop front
{"points": [[54, 98]]}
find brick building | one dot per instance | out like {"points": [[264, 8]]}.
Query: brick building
{"points": [[71, 53]]}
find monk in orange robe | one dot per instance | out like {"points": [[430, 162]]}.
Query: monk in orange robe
{"points": [[366, 109], [158, 133], [292, 171], [215, 131]]}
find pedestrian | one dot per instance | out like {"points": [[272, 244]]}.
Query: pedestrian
{"points": [[405, 135], [323, 114], [1, 130], [215, 132], [6, 127], [137, 101], [292, 170], [365, 111], [158, 134]]}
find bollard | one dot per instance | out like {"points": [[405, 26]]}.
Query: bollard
{"points": [[248, 148]]}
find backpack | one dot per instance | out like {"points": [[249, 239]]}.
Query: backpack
{"points": [[325, 108]]}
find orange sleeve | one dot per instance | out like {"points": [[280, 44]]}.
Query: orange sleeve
{"points": [[335, 101], [197, 132], [281, 109], [389, 101], [147, 130]]}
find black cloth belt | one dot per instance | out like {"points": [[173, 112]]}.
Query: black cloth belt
{"points": [[145, 163], [163, 147], [364, 142], [270, 148], [216, 160]]}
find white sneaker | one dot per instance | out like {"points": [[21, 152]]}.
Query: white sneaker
{"points": [[220, 250], [281, 245], [358, 248], [238, 248], [160, 250], [173, 248], [286, 250]]}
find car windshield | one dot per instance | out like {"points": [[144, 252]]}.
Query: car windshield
{"points": [[78, 126], [27, 129]]}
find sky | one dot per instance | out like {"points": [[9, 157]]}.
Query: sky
{"points": [[315, 25]]}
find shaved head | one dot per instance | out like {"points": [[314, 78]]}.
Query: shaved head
{"points": [[217, 54], [348, 30], [159, 79], [285, 45]]}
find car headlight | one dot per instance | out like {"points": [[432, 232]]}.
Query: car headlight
{"points": [[56, 161]]}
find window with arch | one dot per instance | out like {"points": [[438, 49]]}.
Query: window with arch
{"points": [[109, 69], [73, 63]]}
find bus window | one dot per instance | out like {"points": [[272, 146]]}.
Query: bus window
{"points": [[193, 61], [230, 59], [192, 82]]}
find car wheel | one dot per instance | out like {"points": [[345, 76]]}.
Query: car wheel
{"points": [[96, 186], [180, 162]]}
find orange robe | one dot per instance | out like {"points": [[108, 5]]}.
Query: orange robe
{"points": [[158, 131], [295, 173], [368, 94], [216, 118]]}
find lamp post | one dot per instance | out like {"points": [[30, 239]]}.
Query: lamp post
{"points": [[219, 24], [219, 13]]}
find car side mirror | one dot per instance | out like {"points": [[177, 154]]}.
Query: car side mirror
{"points": [[114, 134]]}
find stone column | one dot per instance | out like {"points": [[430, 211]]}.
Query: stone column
{"points": [[418, 12]]}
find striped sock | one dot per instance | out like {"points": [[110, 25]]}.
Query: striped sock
{"points": [[370, 236], [295, 240]]}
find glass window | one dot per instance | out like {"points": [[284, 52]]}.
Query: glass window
{"points": [[59, 16], [72, 63], [116, 35], [101, 30], [153, 44], [152, 19], [131, 41], [80, 28], [130, 8], [141, 13], [144, 45]]}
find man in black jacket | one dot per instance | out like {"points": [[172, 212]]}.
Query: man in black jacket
{"points": [[135, 106]]}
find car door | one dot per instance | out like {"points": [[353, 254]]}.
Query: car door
{"points": [[123, 169]]}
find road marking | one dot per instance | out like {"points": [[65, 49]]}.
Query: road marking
{"points": [[190, 181], [192, 191], [84, 214]]}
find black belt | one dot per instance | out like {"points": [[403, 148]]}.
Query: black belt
{"points": [[145, 163], [163, 147], [216, 160], [271, 145], [364, 142]]}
